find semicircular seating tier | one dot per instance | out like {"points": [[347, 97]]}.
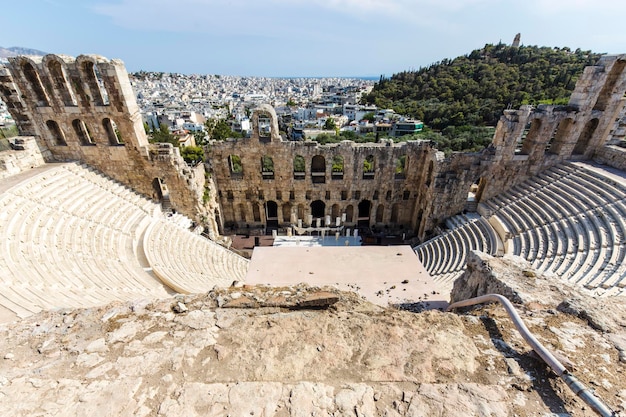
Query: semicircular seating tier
{"points": [[72, 237], [568, 222], [188, 262], [445, 255]]}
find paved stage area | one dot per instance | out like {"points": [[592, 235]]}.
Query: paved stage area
{"points": [[375, 272]]}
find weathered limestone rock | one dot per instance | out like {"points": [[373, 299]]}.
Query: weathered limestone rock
{"points": [[281, 359]]}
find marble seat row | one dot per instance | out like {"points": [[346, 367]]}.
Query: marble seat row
{"points": [[568, 221], [187, 262], [444, 256], [67, 239]]}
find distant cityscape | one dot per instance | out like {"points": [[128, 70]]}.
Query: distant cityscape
{"points": [[304, 104]]}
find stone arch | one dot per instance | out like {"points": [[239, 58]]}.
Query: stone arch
{"points": [[555, 145], [380, 213], [33, 78], [337, 167], [364, 212], [299, 167], [349, 213], [287, 213], [58, 74], [395, 213], [369, 167], [56, 133], [156, 187], [267, 167], [318, 209], [93, 79], [420, 215], [475, 193], [585, 137], [242, 212], [318, 169], [82, 133], [334, 211], [235, 166], [113, 133], [301, 211], [271, 213], [527, 142], [400, 167], [265, 124], [609, 85], [429, 174], [256, 212]]}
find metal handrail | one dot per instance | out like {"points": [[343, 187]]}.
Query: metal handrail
{"points": [[572, 382]]}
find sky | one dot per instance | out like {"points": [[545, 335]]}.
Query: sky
{"points": [[294, 38]]}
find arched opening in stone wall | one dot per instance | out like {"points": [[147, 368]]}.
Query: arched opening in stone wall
{"points": [[337, 168], [265, 127], [96, 85], [299, 167], [318, 209], [349, 213], [400, 167], [113, 133], [334, 211], [218, 221], [585, 137], [267, 167], [56, 133], [418, 222], [235, 167], [395, 213], [301, 211], [287, 213], [242, 212], [429, 174], [380, 212], [35, 83], [156, 188], [318, 169], [365, 209], [82, 133], [555, 145], [271, 214], [59, 79], [256, 212], [609, 85], [369, 167], [527, 141], [474, 194]]}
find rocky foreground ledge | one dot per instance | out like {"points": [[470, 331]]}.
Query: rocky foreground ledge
{"points": [[304, 351]]}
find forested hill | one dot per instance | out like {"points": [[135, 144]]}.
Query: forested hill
{"points": [[474, 89]]}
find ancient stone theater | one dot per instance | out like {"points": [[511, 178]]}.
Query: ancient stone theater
{"points": [[120, 292]]}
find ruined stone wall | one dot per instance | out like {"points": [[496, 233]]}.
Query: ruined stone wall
{"points": [[84, 109], [387, 197], [25, 156]]}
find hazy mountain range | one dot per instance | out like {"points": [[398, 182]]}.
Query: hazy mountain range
{"points": [[18, 50]]}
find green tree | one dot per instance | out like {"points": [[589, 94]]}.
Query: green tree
{"points": [[298, 164], [192, 154], [475, 88], [163, 135], [330, 124], [370, 116], [220, 130]]}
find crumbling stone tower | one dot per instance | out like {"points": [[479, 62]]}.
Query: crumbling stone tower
{"points": [[84, 109]]}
